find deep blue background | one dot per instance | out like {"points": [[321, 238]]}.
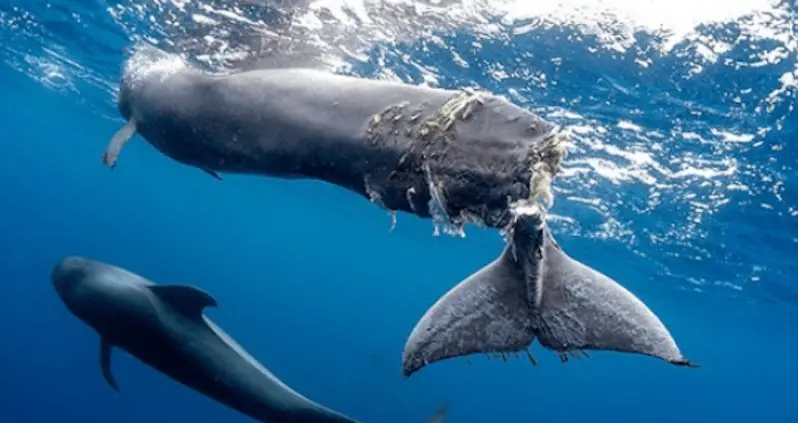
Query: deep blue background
{"points": [[310, 280]]}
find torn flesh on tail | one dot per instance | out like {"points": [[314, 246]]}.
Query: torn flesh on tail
{"points": [[534, 290], [118, 141], [465, 161]]}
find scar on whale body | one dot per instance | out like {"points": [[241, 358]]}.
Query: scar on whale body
{"points": [[453, 156], [449, 155]]}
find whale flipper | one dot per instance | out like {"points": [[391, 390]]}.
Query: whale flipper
{"points": [[118, 141], [535, 290], [105, 363], [186, 299]]}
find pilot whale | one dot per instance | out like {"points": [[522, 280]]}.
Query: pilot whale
{"points": [[451, 155], [164, 327]]}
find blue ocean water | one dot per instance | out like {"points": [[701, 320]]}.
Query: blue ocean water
{"points": [[681, 185]]}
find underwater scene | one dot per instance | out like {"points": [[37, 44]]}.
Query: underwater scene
{"points": [[398, 211]]}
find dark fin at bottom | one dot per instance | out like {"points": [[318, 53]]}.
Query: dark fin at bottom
{"points": [[535, 290], [212, 173], [105, 364]]}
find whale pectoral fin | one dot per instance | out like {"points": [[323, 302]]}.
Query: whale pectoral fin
{"points": [[105, 363], [581, 308], [212, 173], [186, 299], [118, 141], [485, 313]]}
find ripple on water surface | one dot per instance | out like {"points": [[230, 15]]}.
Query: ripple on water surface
{"points": [[681, 111]]}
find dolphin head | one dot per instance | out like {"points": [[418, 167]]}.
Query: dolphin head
{"points": [[98, 294], [69, 278]]}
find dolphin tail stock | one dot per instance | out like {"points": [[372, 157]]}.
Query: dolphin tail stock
{"points": [[535, 290], [118, 141], [439, 416]]}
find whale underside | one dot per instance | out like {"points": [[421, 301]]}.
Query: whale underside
{"points": [[452, 156]]}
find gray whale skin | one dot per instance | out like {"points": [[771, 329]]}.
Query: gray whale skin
{"points": [[410, 148], [164, 327], [437, 153]]}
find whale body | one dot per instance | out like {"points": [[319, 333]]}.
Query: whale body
{"points": [[431, 152]]}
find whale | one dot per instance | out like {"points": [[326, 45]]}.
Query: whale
{"points": [[536, 291], [164, 327], [455, 156]]}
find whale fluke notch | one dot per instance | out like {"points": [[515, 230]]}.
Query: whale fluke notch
{"points": [[534, 290], [105, 363], [118, 141], [186, 299]]}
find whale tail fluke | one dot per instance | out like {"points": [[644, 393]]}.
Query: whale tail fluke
{"points": [[534, 290]]}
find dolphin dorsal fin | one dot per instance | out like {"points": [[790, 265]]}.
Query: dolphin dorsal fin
{"points": [[186, 299]]}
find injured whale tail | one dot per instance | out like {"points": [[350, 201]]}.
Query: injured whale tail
{"points": [[534, 290], [118, 141]]}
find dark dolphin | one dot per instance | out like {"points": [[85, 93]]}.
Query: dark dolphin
{"points": [[454, 156], [164, 327]]}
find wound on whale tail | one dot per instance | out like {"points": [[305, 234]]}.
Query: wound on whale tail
{"points": [[534, 290]]}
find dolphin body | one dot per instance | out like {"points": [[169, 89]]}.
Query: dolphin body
{"points": [[451, 156], [164, 327]]}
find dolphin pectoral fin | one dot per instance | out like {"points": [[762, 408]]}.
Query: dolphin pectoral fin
{"points": [[186, 299], [212, 173], [485, 313], [105, 363], [118, 141], [582, 309]]}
